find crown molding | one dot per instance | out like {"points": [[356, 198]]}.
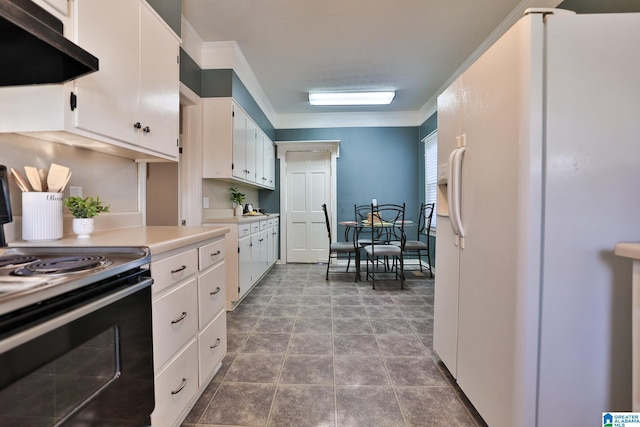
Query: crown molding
{"points": [[227, 55], [336, 120], [191, 41]]}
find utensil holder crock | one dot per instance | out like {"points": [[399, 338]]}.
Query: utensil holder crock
{"points": [[41, 216]]}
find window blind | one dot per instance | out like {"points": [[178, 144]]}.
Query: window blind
{"points": [[431, 171]]}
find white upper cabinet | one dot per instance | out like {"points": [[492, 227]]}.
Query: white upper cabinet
{"points": [[130, 107], [250, 152], [233, 146], [260, 178], [269, 163], [60, 8], [135, 95], [238, 142]]}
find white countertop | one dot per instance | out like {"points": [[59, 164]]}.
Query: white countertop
{"points": [[628, 249], [157, 238], [238, 219]]}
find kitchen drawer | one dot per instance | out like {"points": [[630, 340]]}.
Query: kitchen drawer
{"points": [[175, 321], [212, 346], [211, 254], [264, 224], [211, 293], [273, 222], [175, 387], [244, 229], [255, 227], [173, 269]]}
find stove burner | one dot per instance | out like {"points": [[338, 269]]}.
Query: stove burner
{"points": [[15, 260], [62, 265]]}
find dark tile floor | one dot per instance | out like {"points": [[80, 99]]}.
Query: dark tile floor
{"points": [[303, 351]]}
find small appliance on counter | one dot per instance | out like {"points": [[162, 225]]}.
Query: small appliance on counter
{"points": [[248, 208]]}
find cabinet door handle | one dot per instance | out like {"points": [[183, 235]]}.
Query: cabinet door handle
{"points": [[179, 319], [183, 384], [146, 129], [137, 125], [261, 240], [216, 291], [217, 343], [184, 267], [216, 253]]}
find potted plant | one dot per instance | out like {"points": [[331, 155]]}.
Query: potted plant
{"points": [[237, 198], [83, 211]]}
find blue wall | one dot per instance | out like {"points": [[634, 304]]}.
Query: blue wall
{"points": [[374, 162], [171, 12]]}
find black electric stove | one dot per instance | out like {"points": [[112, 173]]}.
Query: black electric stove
{"points": [[29, 275], [76, 338]]}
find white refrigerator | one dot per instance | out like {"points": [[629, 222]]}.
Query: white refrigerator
{"points": [[539, 178]]}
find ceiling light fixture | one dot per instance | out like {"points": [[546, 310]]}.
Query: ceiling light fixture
{"points": [[351, 98]]}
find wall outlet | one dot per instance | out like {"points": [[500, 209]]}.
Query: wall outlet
{"points": [[374, 202], [75, 191], [205, 203]]}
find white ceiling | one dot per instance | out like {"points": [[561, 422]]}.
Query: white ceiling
{"points": [[415, 47]]}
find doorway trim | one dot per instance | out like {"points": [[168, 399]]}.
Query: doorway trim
{"points": [[333, 147]]}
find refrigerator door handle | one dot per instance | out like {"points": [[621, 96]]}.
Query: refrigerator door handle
{"points": [[457, 190], [450, 196]]}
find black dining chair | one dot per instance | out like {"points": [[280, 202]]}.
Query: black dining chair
{"points": [[387, 223], [424, 228], [361, 214], [336, 248]]}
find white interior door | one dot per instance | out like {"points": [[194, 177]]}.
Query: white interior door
{"points": [[308, 187]]}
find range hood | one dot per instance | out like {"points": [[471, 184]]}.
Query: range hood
{"points": [[33, 49]]}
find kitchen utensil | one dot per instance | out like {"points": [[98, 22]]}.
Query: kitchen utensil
{"points": [[43, 178], [248, 208], [19, 179], [34, 178], [57, 177], [66, 181], [5, 204]]}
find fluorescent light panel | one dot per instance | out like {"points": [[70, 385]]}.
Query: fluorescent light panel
{"points": [[351, 98]]}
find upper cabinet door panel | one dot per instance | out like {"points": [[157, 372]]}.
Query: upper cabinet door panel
{"points": [[108, 99], [239, 143], [159, 87]]}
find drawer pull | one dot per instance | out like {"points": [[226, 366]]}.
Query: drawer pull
{"points": [[184, 267], [183, 384], [216, 291], [179, 319], [216, 253], [216, 344]]}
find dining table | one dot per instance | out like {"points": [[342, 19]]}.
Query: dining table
{"points": [[358, 226]]}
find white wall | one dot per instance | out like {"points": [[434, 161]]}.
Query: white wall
{"points": [[219, 195], [114, 179]]}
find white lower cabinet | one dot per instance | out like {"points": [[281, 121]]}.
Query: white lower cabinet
{"points": [[189, 326], [251, 250], [212, 346], [175, 320], [211, 294], [176, 386], [243, 271]]}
